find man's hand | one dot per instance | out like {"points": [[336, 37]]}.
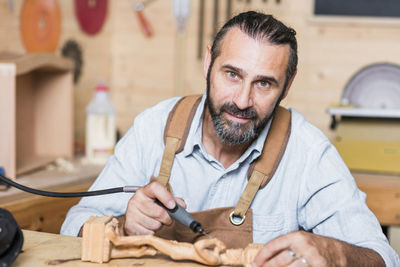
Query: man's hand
{"points": [[143, 215], [306, 249]]}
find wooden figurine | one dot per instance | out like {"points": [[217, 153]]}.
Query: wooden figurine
{"points": [[102, 241]]}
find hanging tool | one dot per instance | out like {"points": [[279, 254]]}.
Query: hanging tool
{"points": [[228, 9], [40, 22], [181, 11], [11, 5], [144, 23], [91, 15], [72, 50], [201, 31], [215, 17]]}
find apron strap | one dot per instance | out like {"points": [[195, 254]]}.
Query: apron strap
{"points": [[266, 164], [176, 132]]}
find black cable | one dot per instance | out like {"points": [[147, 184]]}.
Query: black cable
{"points": [[61, 194]]}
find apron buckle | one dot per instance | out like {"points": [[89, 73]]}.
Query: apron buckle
{"points": [[233, 218]]}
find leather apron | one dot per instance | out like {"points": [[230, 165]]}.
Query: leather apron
{"points": [[231, 225]]}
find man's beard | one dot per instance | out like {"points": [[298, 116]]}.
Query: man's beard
{"points": [[235, 133]]}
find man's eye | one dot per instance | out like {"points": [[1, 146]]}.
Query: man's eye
{"points": [[232, 75], [263, 84]]}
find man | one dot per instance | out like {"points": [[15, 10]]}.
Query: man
{"points": [[309, 213]]}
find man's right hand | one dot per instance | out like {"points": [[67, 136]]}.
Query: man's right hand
{"points": [[143, 215]]}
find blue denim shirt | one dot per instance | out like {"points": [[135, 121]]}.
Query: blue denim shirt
{"points": [[312, 189]]}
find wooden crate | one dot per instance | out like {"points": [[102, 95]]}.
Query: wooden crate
{"points": [[36, 104]]}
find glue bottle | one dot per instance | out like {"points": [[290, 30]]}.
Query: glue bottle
{"points": [[100, 126]]}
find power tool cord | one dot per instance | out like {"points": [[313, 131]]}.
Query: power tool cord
{"points": [[61, 194]]}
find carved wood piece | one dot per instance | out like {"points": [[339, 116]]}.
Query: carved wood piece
{"points": [[102, 241]]}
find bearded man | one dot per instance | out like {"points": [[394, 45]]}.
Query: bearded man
{"points": [[300, 199]]}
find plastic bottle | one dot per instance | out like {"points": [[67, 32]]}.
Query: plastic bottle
{"points": [[100, 126]]}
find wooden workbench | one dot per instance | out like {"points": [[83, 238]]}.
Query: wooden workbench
{"points": [[44, 249], [383, 195], [46, 214]]}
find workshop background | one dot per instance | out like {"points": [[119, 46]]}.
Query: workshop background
{"points": [[143, 67]]}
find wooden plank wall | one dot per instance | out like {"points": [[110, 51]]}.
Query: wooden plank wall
{"points": [[142, 71]]}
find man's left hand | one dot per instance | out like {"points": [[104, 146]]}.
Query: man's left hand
{"points": [[302, 249]]}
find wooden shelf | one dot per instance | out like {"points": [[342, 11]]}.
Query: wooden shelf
{"points": [[36, 103]]}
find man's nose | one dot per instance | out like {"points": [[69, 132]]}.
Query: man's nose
{"points": [[243, 96]]}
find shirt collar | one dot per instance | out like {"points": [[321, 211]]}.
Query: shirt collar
{"points": [[195, 135]]}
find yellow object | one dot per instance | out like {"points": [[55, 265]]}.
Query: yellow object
{"points": [[369, 144]]}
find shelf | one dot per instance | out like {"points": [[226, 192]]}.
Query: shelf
{"points": [[36, 100]]}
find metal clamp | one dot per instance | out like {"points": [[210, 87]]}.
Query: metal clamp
{"points": [[237, 223]]}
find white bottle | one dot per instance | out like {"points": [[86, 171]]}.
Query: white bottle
{"points": [[100, 126]]}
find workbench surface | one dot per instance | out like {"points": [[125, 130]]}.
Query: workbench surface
{"points": [[45, 249]]}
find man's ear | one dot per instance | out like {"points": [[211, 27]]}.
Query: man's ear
{"points": [[289, 85], [207, 61]]}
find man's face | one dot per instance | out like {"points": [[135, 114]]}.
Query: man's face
{"points": [[245, 85]]}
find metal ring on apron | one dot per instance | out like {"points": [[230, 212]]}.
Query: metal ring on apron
{"points": [[237, 223]]}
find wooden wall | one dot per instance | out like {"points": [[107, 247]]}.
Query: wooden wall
{"points": [[143, 71]]}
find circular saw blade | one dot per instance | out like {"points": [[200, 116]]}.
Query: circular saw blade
{"points": [[91, 14], [376, 86], [40, 22]]}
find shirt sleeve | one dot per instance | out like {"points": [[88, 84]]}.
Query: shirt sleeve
{"points": [[332, 205]]}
